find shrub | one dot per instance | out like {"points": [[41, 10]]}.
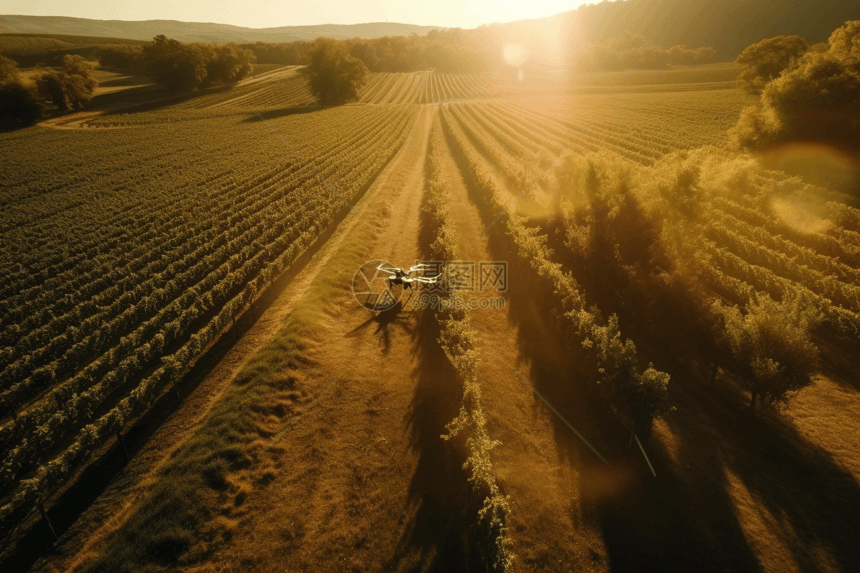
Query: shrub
{"points": [[8, 71]]}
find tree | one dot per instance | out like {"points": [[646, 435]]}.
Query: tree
{"points": [[8, 71], [121, 57], [845, 43], [176, 66], [227, 64], [632, 51], [637, 397], [335, 77], [771, 346], [69, 87], [815, 99], [19, 104], [767, 59]]}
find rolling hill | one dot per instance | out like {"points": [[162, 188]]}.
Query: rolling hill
{"points": [[199, 31]]}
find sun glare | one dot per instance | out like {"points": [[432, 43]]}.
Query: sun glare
{"points": [[515, 55]]}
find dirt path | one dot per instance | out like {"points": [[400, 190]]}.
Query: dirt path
{"points": [[363, 480]]}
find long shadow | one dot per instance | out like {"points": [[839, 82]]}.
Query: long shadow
{"points": [[813, 501], [277, 113], [647, 524], [766, 456], [163, 98], [133, 81], [440, 530]]}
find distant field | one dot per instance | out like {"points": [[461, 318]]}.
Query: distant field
{"points": [[11, 41], [722, 72], [32, 49]]}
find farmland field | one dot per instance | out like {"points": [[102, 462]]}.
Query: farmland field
{"points": [[134, 239]]}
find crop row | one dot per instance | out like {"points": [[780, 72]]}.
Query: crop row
{"points": [[459, 341], [616, 358], [259, 259], [141, 279]]}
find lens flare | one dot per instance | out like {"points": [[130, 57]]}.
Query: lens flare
{"points": [[515, 55]]}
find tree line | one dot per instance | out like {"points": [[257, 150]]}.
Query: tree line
{"points": [[450, 51], [182, 66], [633, 51]]}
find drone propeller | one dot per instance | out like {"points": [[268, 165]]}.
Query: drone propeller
{"points": [[392, 273], [426, 280]]}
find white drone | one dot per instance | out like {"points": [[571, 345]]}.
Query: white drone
{"points": [[399, 276]]}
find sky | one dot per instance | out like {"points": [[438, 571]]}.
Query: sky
{"points": [[270, 13]]}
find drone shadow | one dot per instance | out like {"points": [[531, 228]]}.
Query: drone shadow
{"points": [[383, 320]]}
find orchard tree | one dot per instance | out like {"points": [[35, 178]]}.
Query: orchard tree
{"points": [[335, 76], [771, 345], [767, 59], [69, 87], [638, 397]]}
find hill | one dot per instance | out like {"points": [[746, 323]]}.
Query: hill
{"points": [[200, 31], [687, 22], [548, 40]]}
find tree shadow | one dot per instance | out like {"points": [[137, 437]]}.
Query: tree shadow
{"points": [[758, 469], [646, 523], [808, 500], [287, 111], [438, 535], [440, 531]]}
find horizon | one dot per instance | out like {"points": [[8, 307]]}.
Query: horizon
{"points": [[258, 14]]}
